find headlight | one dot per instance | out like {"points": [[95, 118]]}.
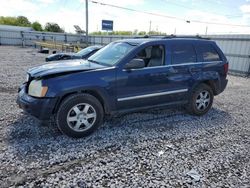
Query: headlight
{"points": [[36, 89], [27, 77]]}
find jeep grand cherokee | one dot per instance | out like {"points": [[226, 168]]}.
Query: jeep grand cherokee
{"points": [[126, 75]]}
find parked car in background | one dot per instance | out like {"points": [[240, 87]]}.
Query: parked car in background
{"points": [[82, 54], [126, 75]]}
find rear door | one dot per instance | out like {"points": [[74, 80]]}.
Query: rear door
{"points": [[212, 60], [184, 65]]}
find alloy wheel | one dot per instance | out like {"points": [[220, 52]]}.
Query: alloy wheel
{"points": [[81, 117], [203, 100]]}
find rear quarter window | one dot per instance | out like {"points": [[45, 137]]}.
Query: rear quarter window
{"points": [[183, 53], [208, 53]]}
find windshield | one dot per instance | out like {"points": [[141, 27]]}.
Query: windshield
{"points": [[85, 51], [112, 53]]}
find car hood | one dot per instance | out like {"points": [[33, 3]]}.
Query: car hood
{"points": [[71, 53], [63, 67], [64, 54]]}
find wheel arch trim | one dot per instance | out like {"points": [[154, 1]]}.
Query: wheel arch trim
{"points": [[94, 92]]}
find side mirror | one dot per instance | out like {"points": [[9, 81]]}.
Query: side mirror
{"points": [[135, 64]]}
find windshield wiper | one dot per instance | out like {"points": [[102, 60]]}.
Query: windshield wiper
{"points": [[99, 63], [93, 61]]}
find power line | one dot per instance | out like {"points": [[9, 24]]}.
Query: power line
{"points": [[166, 16], [221, 4], [134, 10], [190, 8]]}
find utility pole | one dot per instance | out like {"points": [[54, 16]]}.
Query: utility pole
{"points": [[87, 21], [150, 25]]}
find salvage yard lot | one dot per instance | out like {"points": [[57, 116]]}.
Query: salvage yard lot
{"points": [[151, 148]]}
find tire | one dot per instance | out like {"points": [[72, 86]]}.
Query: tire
{"points": [[79, 115], [201, 100]]}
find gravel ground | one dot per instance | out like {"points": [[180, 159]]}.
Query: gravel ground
{"points": [[156, 148]]}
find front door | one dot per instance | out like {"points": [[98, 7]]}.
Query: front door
{"points": [[151, 85]]}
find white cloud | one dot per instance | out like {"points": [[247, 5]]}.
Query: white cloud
{"points": [[126, 20], [245, 8], [123, 19], [64, 17], [17, 7], [216, 28], [46, 1], [198, 15], [119, 2]]}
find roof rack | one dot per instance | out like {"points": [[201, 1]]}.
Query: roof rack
{"points": [[187, 36], [150, 36], [174, 36]]}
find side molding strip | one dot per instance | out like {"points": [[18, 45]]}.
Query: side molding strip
{"points": [[152, 95]]}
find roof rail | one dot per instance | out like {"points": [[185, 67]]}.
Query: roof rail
{"points": [[174, 36], [187, 36], [150, 36]]}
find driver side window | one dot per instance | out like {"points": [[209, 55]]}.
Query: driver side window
{"points": [[152, 55]]}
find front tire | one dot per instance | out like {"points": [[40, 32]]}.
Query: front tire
{"points": [[79, 115], [201, 100]]}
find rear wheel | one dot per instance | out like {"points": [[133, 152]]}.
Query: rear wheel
{"points": [[79, 115], [201, 100]]}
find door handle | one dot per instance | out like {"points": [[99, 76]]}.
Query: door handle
{"points": [[159, 74], [172, 70], [193, 69]]}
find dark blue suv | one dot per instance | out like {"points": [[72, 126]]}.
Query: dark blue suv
{"points": [[126, 75]]}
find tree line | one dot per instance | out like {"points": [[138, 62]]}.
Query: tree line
{"points": [[54, 27], [24, 22], [135, 32]]}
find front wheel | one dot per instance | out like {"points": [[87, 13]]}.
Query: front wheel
{"points": [[79, 115], [201, 100]]}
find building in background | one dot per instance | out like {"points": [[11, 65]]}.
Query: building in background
{"points": [[15, 28]]}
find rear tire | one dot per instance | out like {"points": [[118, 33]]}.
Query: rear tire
{"points": [[79, 115], [201, 100]]}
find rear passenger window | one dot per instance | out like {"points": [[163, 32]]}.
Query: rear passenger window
{"points": [[208, 53], [183, 53]]}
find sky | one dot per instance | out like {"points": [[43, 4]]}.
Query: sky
{"points": [[72, 12]]}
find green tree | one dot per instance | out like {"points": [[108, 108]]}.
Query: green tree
{"points": [[37, 26], [8, 20], [16, 21], [96, 33], [121, 33], [142, 33], [53, 27], [156, 33], [135, 32], [23, 21]]}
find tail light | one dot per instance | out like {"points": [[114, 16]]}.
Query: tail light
{"points": [[226, 68]]}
